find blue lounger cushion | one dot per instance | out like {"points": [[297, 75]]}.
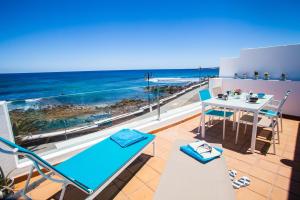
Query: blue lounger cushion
{"points": [[91, 168], [127, 137], [95, 165], [189, 151], [219, 113]]}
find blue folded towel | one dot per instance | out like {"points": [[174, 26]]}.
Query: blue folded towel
{"points": [[127, 137], [189, 151]]}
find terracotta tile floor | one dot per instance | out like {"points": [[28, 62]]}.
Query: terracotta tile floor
{"points": [[272, 176]]}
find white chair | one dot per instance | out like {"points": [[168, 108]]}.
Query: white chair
{"points": [[269, 118], [204, 95], [263, 122], [275, 108], [216, 91]]}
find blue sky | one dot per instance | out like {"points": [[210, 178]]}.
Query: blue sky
{"points": [[60, 35]]}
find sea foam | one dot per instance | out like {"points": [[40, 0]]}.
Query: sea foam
{"points": [[173, 80]]}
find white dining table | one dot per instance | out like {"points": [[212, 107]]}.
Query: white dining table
{"points": [[237, 104]]}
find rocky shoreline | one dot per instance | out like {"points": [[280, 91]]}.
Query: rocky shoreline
{"points": [[169, 89], [37, 120], [56, 117]]}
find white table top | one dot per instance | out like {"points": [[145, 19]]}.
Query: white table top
{"points": [[240, 103]]}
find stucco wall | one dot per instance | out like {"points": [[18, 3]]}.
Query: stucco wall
{"points": [[275, 60]]}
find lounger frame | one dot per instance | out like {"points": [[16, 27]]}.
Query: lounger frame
{"points": [[65, 181]]}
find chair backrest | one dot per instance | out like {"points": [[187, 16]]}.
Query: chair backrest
{"points": [[15, 146], [283, 100], [216, 91], [204, 95], [26, 153], [18, 150]]}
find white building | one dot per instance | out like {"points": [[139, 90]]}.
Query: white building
{"points": [[274, 60]]}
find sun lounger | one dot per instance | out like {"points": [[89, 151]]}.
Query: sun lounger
{"points": [[91, 170], [186, 178]]}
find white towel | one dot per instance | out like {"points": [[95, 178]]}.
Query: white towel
{"points": [[203, 151]]}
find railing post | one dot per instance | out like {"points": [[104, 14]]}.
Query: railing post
{"points": [[208, 82], [148, 75], [150, 106], [65, 125], [149, 100], [158, 104]]}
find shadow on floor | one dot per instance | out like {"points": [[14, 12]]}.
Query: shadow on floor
{"points": [[110, 191], [295, 165], [214, 134]]}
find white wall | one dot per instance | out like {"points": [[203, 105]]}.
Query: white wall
{"points": [[274, 87], [7, 162], [275, 60]]}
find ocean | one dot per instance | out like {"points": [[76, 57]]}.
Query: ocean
{"points": [[90, 87]]}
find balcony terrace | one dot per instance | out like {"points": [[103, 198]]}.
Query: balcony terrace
{"points": [[272, 176]]}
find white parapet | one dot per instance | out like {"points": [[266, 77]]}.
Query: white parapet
{"points": [[7, 162], [274, 60]]}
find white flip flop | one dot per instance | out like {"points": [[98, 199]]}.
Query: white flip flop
{"points": [[244, 181], [232, 174], [236, 184]]}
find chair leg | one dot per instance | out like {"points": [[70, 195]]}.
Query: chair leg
{"points": [[199, 127], [277, 121], [208, 123], [237, 129], [281, 124], [153, 150], [273, 137], [63, 191], [233, 125], [224, 124], [27, 183], [233, 121]]}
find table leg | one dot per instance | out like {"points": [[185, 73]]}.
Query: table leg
{"points": [[224, 123], [254, 131], [238, 127], [203, 121], [234, 120]]}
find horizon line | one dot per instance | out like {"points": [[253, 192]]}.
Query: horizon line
{"points": [[136, 69]]}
